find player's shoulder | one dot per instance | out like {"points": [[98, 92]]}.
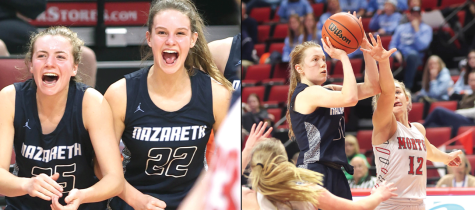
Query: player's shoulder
{"points": [[219, 90], [117, 90], [7, 92], [419, 127]]}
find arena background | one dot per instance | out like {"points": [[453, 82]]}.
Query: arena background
{"points": [[115, 35], [269, 79]]}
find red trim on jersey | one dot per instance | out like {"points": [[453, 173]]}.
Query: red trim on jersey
{"points": [[383, 150]]}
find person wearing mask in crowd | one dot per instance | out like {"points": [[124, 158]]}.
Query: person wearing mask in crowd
{"points": [[378, 6], [294, 37], [435, 81], [289, 7], [462, 87], [255, 112], [358, 6], [465, 115], [411, 40], [385, 23], [361, 178], [352, 150], [458, 176]]}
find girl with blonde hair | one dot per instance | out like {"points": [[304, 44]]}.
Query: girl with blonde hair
{"points": [[279, 184], [316, 113], [400, 147], [458, 176], [165, 112]]}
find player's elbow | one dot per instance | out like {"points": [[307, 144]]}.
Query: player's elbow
{"points": [[117, 183], [351, 101]]}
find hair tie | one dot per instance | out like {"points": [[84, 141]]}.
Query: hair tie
{"points": [[260, 164]]}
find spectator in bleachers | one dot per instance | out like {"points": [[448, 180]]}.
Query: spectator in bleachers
{"points": [[352, 150], [458, 175], [465, 115], [333, 6], [248, 24], [291, 7], [461, 87], [378, 6], [255, 112], [294, 36], [247, 50], [411, 39], [405, 13], [436, 81], [310, 29], [361, 177], [385, 23], [358, 6]]}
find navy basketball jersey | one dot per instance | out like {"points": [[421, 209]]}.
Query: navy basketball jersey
{"points": [[165, 151], [319, 135], [231, 71], [67, 150]]}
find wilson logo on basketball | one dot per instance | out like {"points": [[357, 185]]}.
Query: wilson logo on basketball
{"points": [[337, 32]]}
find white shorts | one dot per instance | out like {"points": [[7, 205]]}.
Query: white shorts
{"points": [[402, 204]]}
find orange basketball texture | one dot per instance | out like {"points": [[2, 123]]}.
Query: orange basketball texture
{"points": [[344, 30]]}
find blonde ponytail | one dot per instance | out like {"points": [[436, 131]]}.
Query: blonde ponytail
{"points": [[278, 179]]}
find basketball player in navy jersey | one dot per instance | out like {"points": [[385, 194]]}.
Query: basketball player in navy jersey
{"points": [[165, 112], [56, 126], [227, 57], [316, 114], [400, 147]]}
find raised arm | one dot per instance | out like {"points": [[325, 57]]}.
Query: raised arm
{"points": [[435, 155], [255, 136], [383, 116], [42, 186]]}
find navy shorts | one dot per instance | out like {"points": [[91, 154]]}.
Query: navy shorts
{"points": [[334, 180]]}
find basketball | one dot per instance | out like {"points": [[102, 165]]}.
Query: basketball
{"points": [[344, 30]]}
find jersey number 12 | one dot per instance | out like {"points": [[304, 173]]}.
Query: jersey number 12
{"points": [[420, 160]]}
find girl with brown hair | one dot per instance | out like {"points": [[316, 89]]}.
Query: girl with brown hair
{"points": [[294, 36], [164, 113], [316, 114], [436, 81]]}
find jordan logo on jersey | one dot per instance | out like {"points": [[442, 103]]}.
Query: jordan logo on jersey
{"points": [[184, 133], [26, 124], [410, 143], [46, 155], [337, 111], [138, 108]]}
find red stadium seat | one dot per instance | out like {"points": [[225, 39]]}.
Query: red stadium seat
{"points": [[471, 160], [279, 74], [260, 49], [448, 3], [438, 136], [428, 4], [246, 91], [278, 94], [276, 17], [261, 14], [263, 32], [355, 63], [277, 112], [318, 9], [386, 40], [455, 78], [365, 22], [11, 71], [461, 16], [451, 105], [365, 140], [276, 47], [280, 31], [462, 129], [415, 115], [257, 73]]}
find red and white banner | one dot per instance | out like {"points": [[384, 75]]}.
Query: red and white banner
{"points": [[85, 14]]}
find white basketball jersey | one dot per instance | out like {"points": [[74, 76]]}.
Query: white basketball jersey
{"points": [[402, 161]]}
